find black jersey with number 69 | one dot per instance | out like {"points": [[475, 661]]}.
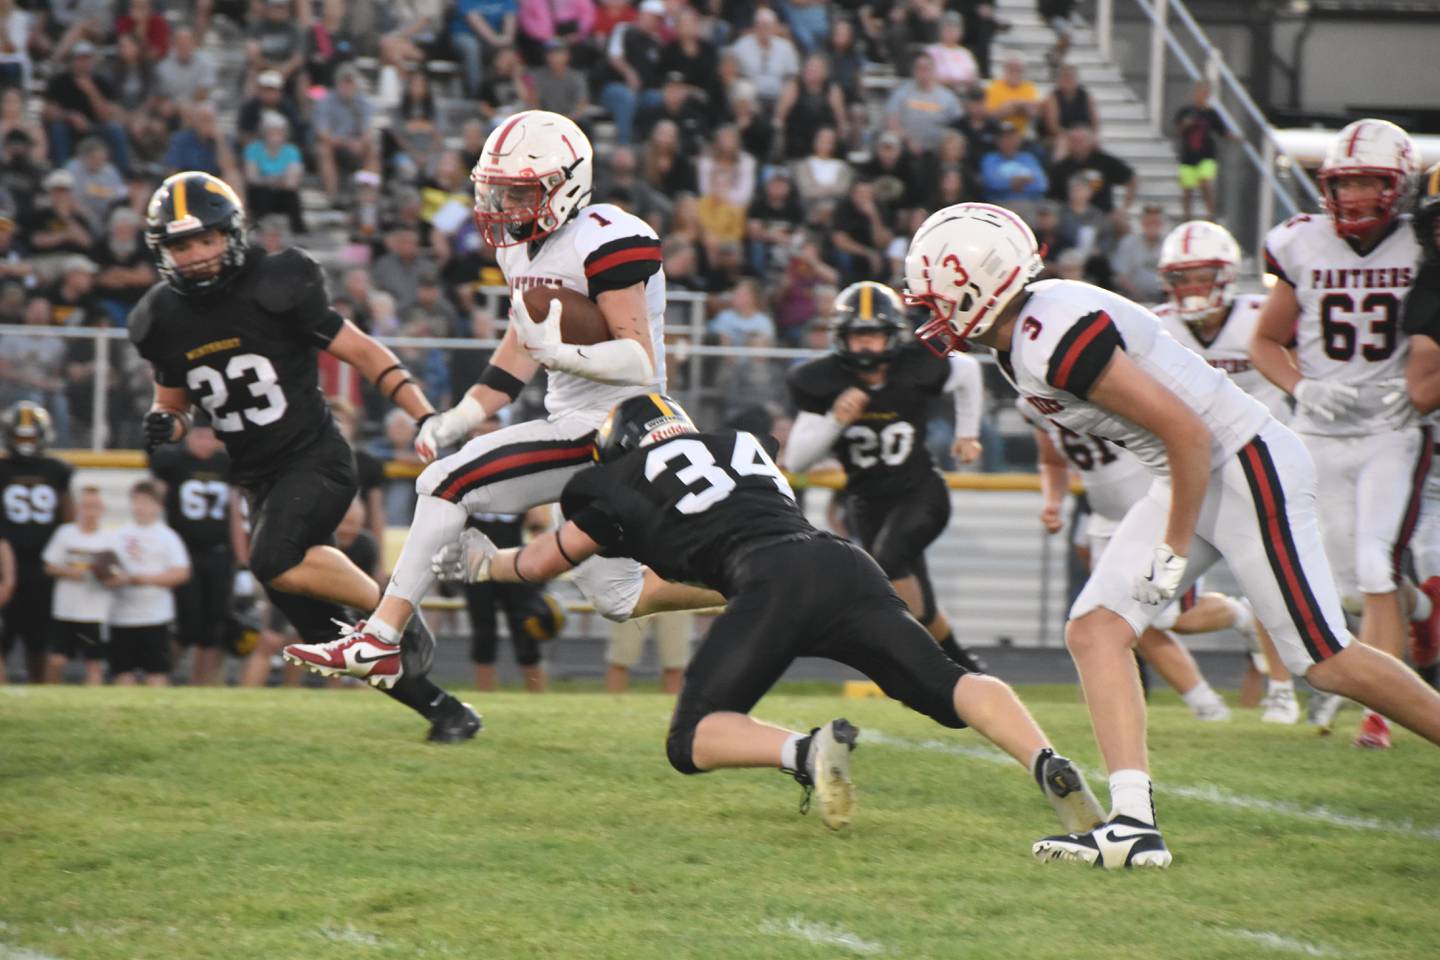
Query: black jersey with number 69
{"points": [[32, 493], [197, 495], [247, 354], [883, 452], [686, 507]]}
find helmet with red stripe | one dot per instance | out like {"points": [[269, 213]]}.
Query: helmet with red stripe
{"points": [[1368, 148], [965, 264], [1198, 261], [535, 171]]}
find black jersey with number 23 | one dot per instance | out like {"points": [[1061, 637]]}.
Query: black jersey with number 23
{"points": [[686, 507], [247, 355]]}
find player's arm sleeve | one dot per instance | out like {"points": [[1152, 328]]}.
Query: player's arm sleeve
{"points": [[967, 386], [811, 437], [617, 249], [1082, 353], [1422, 304], [295, 284]]}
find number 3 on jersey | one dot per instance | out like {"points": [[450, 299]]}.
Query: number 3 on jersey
{"points": [[749, 459], [212, 389]]}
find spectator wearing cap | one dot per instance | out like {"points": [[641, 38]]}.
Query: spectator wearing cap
{"points": [[920, 109], [398, 271], [151, 29], [125, 270], [199, 145], [955, 66], [765, 57], [678, 104], [277, 42], [1009, 174], [557, 86], [1105, 170], [980, 130], [60, 225], [810, 101], [632, 76], [859, 235], [270, 96], [188, 73], [78, 103], [771, 223], [570, 22], [273, 171], [479, 28], [15, 66], [1067, 105], [1136, 260], [367, 213], [97, 183], [344, 140], [1012, 97], [823, 175], [695, 58]]}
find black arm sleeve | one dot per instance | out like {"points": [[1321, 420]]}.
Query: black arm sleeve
{"points": [[586, 501], [1422, 304], [1082, 354]]}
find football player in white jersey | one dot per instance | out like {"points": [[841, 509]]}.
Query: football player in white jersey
{"points": [[532, 191], [1230, 482], [1199, 263], [1329, 335], [1422, 372]]}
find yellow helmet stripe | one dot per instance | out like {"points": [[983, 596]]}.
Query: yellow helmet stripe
{"points": [[27, 418], [177, 194], [867, 302], [659, 401], [1433, 188]]}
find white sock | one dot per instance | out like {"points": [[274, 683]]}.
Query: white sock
{"points": [[1420, 605], [1200, 695], [437, 522], [1271, 686], [382, 631], [1130, 795], [787, 752]]}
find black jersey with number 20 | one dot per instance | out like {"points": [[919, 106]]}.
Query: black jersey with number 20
{"points": [[247, 354], [686, 507]]}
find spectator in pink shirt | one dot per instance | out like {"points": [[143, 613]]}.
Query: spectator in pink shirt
{"points": [[541, 21]]}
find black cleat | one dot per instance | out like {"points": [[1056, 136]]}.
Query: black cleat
{"points": [[456, 723]]}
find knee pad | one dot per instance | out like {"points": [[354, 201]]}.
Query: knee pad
{"points": [[270, 557], [678, 745]]}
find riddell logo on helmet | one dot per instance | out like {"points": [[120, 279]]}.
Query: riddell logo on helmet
{"points": [[189, 222]]}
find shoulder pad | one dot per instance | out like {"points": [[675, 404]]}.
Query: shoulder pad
{"points": [[288, 279], [918, 363], [820, 380], [143, 314]]}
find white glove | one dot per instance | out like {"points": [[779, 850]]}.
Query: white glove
{"points": [[1160, 584], [449, 428], [465, 561], [1326, 398], [540, 340]]}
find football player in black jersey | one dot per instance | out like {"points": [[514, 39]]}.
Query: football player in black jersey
{"points": [[34, 501], [236, 330], [196, 474], [532, 615], [869, 401], [1422, 375], [713, 509]]}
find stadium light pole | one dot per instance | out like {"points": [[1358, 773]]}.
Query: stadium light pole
{"points": [[1105, 26], [1157, 66]]}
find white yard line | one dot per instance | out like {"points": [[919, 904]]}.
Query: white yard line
{"points": [[1275, 941], [1205, 793], [349, 934], [8, 952], [821, 934]]}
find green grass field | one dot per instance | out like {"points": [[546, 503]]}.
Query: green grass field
{"points": [[316, 824]]}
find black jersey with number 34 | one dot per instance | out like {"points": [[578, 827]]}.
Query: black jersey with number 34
{"points": [[686, 507], [883, 451], [32, 491], [197, 495], [247, 355]]}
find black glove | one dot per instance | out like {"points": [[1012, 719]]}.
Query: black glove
{"points": [[159, 429]]}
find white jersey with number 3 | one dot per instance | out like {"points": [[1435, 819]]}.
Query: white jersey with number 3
{"points": [[1230, 350], [1349, 325], [1066, 334], [602, 248]]}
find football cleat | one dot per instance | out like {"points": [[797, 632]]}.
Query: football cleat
{"points": [[1280, 706], [1065, 787], [355, 654], [825, 772], [1374, 732], [1122, 843], [1320, 711], [455, 723], [1425, 634]]}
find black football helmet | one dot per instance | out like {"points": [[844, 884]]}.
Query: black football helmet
{"points": [[28, 428], [867, 307], [186, 205], [1427, 214], [638, 422]]}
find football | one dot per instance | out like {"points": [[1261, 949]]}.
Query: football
{"points": [[104, 565], [581, 321]]}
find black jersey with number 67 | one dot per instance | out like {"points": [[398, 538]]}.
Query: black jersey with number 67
{"points": [[197, 495], [686, 507], [247, 354], [883, 452]]}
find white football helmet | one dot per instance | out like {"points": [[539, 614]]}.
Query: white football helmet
{"points": [[1199, 245], [965, 264], [1375, 148], [536, 170]]}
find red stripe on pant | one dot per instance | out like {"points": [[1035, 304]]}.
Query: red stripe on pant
{"points": [[1188, 599], [1291, 572], [1412, 510], [513, 462]]}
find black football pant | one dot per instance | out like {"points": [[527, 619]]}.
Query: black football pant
{"points": [[202, 603], [897, 530]]}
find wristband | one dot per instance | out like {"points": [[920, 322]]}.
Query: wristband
{"points": [[497, 379]]}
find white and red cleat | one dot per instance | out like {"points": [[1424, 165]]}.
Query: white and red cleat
{"points": [[355, 654], [1425, 634], [1374, 732]]}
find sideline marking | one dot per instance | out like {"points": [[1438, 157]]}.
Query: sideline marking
{"points": [[821, 934]]}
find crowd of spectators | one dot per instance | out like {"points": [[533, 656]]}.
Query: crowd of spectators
{"points": [[782, 150]]}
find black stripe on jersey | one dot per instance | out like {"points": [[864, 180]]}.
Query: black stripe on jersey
{"points": [[1273, 266], [1082, 354], [622, 263]]}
